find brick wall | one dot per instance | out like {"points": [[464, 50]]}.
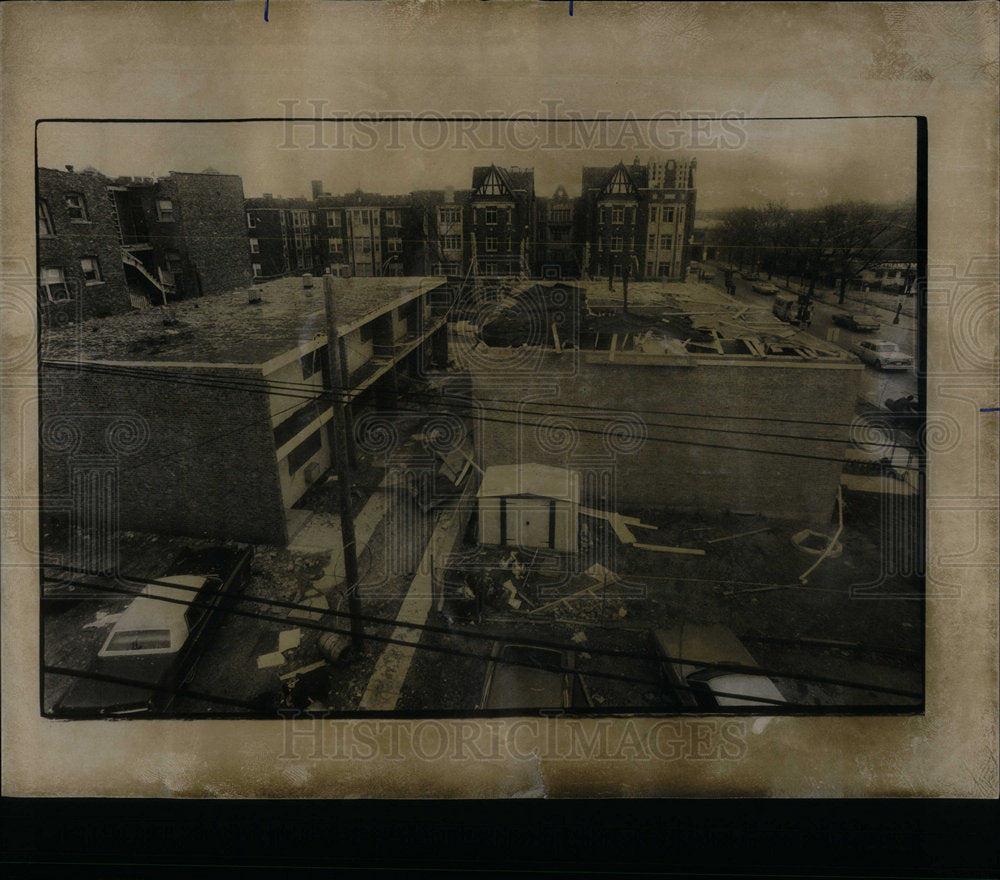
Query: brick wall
{"points": [[190, 460], [73, 240], [213, 221], [685, 475]]}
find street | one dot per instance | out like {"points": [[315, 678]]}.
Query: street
{"points": [[879, 385]]}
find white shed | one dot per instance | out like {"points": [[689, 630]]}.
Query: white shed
{"points": [[530, 505]]}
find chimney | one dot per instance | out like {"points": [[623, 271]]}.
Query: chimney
{"points": [[317, 188], [449, 195]]}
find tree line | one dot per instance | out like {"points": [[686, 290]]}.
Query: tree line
{"points": [[833, 244]]}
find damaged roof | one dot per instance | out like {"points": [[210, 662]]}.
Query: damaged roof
{"points": [[229, 329]]}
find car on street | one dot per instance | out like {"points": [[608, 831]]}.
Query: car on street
{"points": [[882, 355], [158, 638], [543, 678], [764, 287], [857, 321], [696, 668]]}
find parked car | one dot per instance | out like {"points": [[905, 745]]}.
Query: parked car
{"points": [[882, 355], [692, 686], [764, 287], [857, 321], [544, 681], [155, 642]]}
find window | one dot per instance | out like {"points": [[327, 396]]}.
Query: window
{"points": [[366, 246], [284, 219], [394, 245], [617, 215], [334, 245], [654, 214], [616, 243], [491, 217], [452, 242], [448, 216], [668, 215], [652, 241], [256, 270], [312, 218], [91, 270], [649, 270], [604, 215], [76, 207], [391, 218], [491, 269], [296, 219], [304, 451], [491, 244], [165, 210], [44, 219], [53, 283], [254, 246], [664, 269], [251, 221], [666, 242]]}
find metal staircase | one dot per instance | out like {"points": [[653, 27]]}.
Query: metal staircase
{"points": [[131, 260]]}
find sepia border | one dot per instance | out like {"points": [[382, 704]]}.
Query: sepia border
{"points": [[949, 751]]}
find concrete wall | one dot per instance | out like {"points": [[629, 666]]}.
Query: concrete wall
{"points": [[73, 240], [190, 460], [689, 474]]}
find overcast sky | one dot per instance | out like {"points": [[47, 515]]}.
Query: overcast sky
{"points": [[800, 162]]}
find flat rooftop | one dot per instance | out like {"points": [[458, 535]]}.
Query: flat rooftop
{"points": [[227, 328]]}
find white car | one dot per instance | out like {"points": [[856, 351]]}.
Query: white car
{"points": [[882, 355], [684, 649]]}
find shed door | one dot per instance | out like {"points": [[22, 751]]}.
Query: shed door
{"points": [[529, 522]]}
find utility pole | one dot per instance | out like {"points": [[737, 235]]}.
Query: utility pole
{"points": [[339, 451]]}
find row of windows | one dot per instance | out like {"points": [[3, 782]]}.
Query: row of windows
{"points": [[666, 242], [668, 214], [76, 210]]}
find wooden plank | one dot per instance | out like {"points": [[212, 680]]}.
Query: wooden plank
{"points": [[662, 548]]}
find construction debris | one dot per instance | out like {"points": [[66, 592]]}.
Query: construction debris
{"points": [[269, 661], [663, 548]]}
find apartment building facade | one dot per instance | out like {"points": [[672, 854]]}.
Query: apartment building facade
{"points": [[502, 222], [228, 430], [637, 219], [107, 245]]}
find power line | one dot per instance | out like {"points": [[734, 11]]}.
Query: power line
{"points": [[540, 643], [522, 423]]}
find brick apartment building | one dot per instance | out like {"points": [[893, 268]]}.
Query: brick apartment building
{"points": [[106, 245], [364, 233], [637, 216], [557, 252], [501, 221], [441, 217], [215, 427], [281, 236]]}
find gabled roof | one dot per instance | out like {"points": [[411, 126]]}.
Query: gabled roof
{"points": [[602, 179], [541, 480], [495, 182]]}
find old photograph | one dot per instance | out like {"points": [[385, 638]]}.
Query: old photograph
{"points": [[481, 417], [506, 399]]}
